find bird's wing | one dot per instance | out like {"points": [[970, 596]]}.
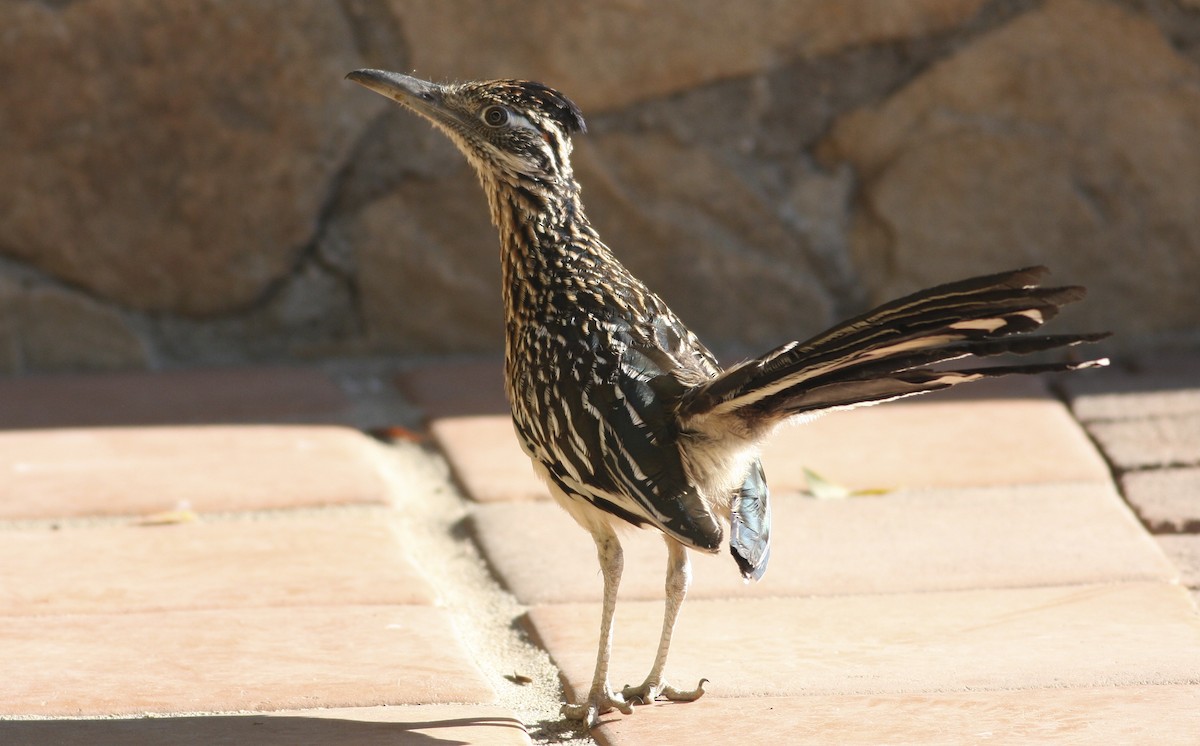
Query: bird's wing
{"points": [[618, 446], [668, 346]]}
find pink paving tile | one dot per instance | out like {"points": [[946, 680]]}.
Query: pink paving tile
{"points": [[228, 660], [1161, 385], [919, 541], [1097, 635], [171, 397], [409, 725], [1003, 432], [457, 389], [281, 560], [486, 458], [1110, 715], [1166, 499], [1135, 397], [1153, 442], [1184, 551], [119, 471], [1006, 432]]}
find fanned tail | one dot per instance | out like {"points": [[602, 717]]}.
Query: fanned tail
{"points": [[884, 354]]}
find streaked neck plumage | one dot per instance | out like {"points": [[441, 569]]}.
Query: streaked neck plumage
{"points": [[543, 231]]}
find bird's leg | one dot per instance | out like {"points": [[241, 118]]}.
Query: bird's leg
{"points": [[679, 576], [601, 698]]}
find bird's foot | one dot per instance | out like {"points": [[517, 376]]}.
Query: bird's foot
{"points": [[599, 701], [652, 690]]}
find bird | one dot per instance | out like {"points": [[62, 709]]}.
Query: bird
{"points": [[627, 417]]}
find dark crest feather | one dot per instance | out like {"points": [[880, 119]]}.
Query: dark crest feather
{"points": [[555, 105]]}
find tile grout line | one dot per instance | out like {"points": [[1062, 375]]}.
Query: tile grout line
{"points": [[431, 514], [1115, 474]]}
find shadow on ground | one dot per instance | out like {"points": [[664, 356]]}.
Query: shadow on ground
{"points": [[264, 730]]}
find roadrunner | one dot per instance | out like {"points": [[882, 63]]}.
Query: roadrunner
{"points": [[626, 415]]}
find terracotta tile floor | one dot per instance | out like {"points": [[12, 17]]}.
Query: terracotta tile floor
{"points": [[1145, 418], [218, 557], [181, 544], [999, 587]]}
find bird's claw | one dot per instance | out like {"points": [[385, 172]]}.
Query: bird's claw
{"points": [[599, 701], [651, 690]]}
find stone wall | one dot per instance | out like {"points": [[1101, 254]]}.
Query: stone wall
{"points": [[194, 183]]}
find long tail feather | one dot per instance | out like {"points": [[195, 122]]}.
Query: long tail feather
{"points": [[881, 355]]}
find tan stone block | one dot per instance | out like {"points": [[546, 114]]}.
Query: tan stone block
{"points": [[177, 199], [992, 158], [281, 560], [226, 660], [1139, 714], [486, 458], [902, 542], [425, 256], [57, 330], [407, 725], [626, 41], [118, 471], [1095, 635], [1004, 432]]}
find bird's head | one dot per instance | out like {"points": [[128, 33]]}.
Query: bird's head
{"points": [[510, 129]]}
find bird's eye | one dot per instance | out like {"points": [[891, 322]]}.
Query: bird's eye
{"points": [[495, 116]]}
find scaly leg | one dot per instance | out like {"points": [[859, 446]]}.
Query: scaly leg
{"points": [[679, 576], [602, 698]]}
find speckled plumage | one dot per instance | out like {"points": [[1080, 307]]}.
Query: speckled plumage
{"points": [[624, 413]]}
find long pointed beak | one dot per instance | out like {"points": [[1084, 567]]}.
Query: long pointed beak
{"points": [[419, 95], [402, 88]]}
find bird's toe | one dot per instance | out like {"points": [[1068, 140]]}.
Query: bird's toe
{"points": [[650, 690], [597, 704]]}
